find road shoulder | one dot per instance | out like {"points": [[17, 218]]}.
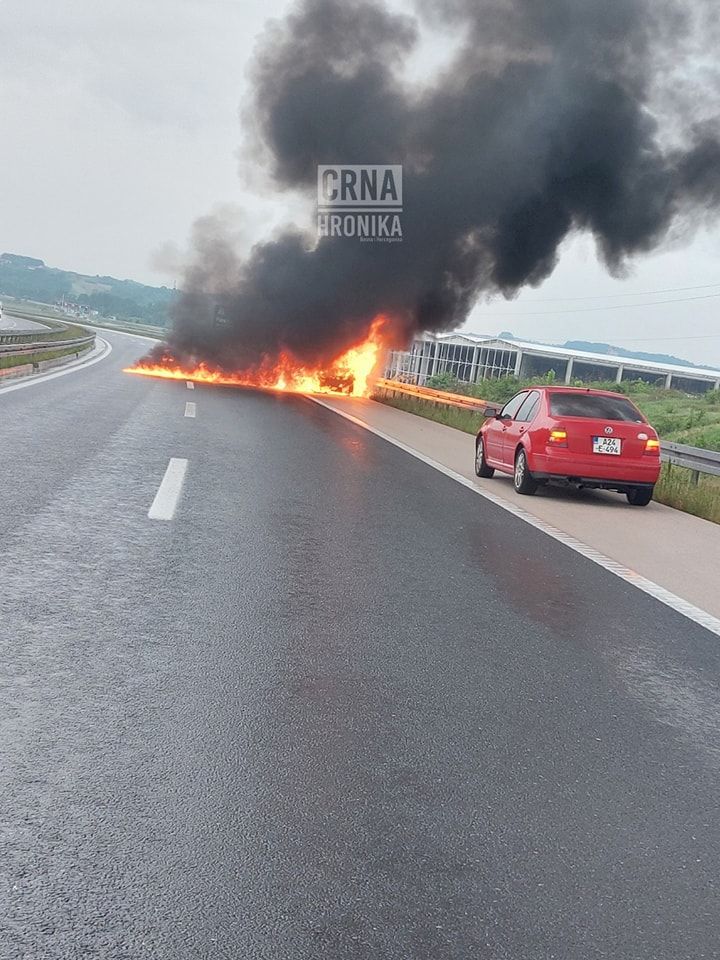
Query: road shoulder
{"points": [[678, 552]]}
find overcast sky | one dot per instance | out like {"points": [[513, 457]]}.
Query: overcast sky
{"points": [[120, 126]]}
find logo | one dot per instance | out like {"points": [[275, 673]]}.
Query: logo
{"points": [[608, 429], [360, 201]]}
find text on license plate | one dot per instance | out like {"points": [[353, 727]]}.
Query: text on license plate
{"points": [[612, 445]]}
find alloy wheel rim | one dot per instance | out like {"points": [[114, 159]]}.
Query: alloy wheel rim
{"points": [[479, 455], [519, 469]]}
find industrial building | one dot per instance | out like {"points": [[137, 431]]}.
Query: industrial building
{"points": [[472, 357]]}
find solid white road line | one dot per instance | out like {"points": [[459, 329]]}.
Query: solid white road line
{"points": [[190, 409], [166, 499], [105, 351], [189, 384], [689, 610]]}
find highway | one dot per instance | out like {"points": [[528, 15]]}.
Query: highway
{"points": [[19, 324], [673, 551], [337, 706]]}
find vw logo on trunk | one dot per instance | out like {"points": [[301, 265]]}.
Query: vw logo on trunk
{"points": [[608, 429]]}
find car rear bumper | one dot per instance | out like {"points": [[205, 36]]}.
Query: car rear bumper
{"points": [[593, 483], [596, 472]]}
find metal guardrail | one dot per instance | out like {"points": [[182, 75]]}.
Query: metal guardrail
{"points": [[695, 459], [437, 396], [33, 346], [27, 337], [692, 458], [55, 331]]}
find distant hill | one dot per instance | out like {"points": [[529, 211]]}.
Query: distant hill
{"points": [[610, 350], [620, 352], [30, 279]]}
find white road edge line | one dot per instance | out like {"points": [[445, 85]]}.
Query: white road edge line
{"points": [[72, 368], [166, 499], [190, 409], [684, 607], [189, 384]]}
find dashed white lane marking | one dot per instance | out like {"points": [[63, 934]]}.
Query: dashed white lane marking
{"points": [[166, 499], [73, 367], [190, 409], [701, 617], [189, 384]]}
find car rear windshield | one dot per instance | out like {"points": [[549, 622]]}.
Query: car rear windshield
{"points": [[593, 407]]}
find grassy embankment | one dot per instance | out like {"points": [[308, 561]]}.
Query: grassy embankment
{"points": [[58, 328], [57, 332], [6, 362], [694, 420], [56, 319]]}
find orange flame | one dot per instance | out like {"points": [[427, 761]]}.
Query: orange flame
{"points": [[351, 373]]}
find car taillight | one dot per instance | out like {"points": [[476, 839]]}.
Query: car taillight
{"points": [[558, 438], [652, 447]]}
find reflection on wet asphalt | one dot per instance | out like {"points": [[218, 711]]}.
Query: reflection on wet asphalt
{"points": [[340, 707]]}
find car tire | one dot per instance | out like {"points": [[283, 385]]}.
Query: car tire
{"points": [[481, 466], [522, 478], [639, 496]]}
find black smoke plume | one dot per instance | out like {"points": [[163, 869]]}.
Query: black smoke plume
{"points": [[555, 116]]}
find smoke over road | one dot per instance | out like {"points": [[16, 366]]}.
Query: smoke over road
{"points": [[546, 123]]}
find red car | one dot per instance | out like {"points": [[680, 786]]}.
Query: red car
{"points": [[569, 435]]}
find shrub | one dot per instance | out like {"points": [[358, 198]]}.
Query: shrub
{"points": [[446, 381]]}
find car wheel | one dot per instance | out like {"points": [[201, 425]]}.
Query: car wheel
{"points": [[481, 467], [640, 496], [522, 478]]}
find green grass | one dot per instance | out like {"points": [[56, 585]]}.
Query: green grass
{"points": [[18, 361], [464, 420], [677, 489], [60, 331], [684, 419], [679, 417]]}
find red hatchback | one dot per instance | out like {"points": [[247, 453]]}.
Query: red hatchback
{"points": [[568, 435]]}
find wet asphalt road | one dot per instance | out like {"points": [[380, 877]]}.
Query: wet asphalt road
{"points": [[8, 323], [339, 707]]}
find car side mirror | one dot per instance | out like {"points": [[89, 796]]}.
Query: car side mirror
{"points": [[491, 412]]}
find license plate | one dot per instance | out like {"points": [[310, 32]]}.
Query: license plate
{"points": [[611, 445]]}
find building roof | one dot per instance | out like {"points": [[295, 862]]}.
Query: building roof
{"points": [[564, 353]]}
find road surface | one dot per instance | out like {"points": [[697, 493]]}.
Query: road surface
{"points": [[675, 550], [19, 324], [338, 706]]}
